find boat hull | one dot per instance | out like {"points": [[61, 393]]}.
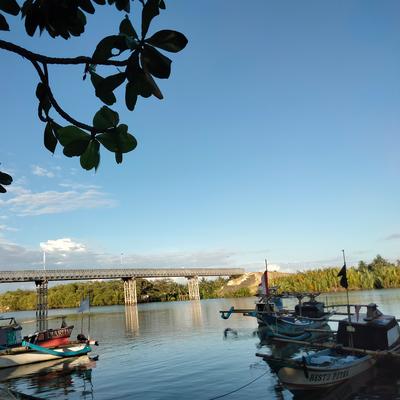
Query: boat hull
{"points": [[299, 379], [289, 327], [21, 356]]}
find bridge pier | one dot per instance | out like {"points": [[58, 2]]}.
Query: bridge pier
{"points": [[193, 286], [130, 295], [41, 305]]}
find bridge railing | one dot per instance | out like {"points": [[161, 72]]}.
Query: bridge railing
{"points": [[83, 274]]}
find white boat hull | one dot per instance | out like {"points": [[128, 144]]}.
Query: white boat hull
{"points": [[311, 378], [20, 356]]}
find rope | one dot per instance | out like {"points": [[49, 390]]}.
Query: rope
{"points": [[240, 388]]}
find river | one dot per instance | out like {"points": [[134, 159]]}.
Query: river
{"points": [[179, 351]]}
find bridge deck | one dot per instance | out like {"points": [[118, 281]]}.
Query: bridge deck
{"points": [[83, 274]]}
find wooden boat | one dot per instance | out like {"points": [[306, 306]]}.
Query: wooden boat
{"points": [[370, 331], [323, 369], [51, 337], [10, 334], [278, 322], [29, 353]]}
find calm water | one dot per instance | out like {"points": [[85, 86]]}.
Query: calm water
{"points": [[178, 351]]}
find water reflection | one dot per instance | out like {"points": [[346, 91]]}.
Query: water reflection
{"points": [[131, 320], [197, 319], [58, 377]]}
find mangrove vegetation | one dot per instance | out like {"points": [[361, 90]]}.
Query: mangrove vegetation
{"points": [[378, 274]]}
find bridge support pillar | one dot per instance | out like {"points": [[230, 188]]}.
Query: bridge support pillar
{"points": [[193, 286], [130, 295], [41, 305]]}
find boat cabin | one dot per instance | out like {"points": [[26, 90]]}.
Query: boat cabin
{"points": [[10, 333], [310, 309], [370, 331]]}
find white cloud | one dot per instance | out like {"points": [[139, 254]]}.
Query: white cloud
{"points": [[24, 202], [65, 245], [39, 171], [4, 227], [393, 236]]}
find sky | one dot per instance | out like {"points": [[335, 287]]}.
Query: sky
{"points": [[278, 138]]}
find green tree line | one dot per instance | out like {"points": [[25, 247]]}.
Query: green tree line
{"points": [[379, 274], [103, 293]]}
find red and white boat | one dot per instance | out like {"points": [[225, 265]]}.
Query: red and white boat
{"points": [[51, 337]]}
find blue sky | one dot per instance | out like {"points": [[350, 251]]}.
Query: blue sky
{"points": [[278, 138]]}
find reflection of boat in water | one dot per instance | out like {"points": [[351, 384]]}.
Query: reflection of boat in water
{"points": [[69, 375]]}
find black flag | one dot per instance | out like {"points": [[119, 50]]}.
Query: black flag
{"points": [[343, 277]]}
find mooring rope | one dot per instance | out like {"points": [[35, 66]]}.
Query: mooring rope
{"points": [[240, 388]]}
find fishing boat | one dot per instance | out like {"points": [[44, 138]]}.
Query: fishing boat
{"points": [[29, 353], [51, 337], [323, 369], [279, 322], [298, 324]]}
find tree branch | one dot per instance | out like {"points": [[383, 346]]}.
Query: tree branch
{"points": [[55, 60], [56, 106]]}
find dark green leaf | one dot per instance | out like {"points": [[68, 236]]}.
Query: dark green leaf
{"points": [[3, 24], [126, 28], [5, 179], [118, 158], [126, 143], [70, 134], [87, 6], [150, 10], [155, 62], [133, 67], [2, 189], [118, 141], [110, 83], [106, 97], [150, 83], [9, 7], [168, 40], [41, 91], [41, 94], [144, 83], [123, 5], [100, 2], [76, 148], [91, 157], [162, 5], [104, 50], [131, 95], [77, 24], [109, 141], [105, 118], [32, 19], [50, 140]]}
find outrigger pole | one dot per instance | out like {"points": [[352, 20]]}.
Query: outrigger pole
{"points": [[266, 278]]}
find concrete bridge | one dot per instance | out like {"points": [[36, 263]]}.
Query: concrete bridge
{"points": [[128, 275]]}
